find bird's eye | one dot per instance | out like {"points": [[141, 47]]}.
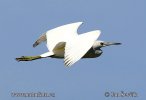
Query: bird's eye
{"points": [[101, 43]]}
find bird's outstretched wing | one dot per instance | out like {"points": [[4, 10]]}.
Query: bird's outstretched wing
{"points": [[61, 34], [78, 47]]}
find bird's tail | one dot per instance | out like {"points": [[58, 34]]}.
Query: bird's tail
{"points": [[28, 58]]}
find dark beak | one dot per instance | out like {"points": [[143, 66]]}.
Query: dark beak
{"points": [[111, 43]]}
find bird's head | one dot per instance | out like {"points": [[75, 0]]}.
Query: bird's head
{"points": [[99, 44]]}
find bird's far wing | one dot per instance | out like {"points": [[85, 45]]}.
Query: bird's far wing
{"points": [[77, 48], [61, 34], [42, 38]]}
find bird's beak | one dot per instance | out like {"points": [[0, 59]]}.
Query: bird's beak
{"points": [[111, 43]]}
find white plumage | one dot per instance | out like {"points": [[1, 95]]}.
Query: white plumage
{"points": [[76, 45], [76, 48]]}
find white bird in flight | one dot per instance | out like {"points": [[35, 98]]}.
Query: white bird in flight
{"points": [[65, 42]]}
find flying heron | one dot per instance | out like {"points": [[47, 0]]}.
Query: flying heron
{"points": [[64, 42]]}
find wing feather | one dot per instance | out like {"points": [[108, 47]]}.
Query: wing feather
{"points": [[75, 49], [61, 34], [41, 39]]}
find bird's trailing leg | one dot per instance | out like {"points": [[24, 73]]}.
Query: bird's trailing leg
{"points": [[28, 58]]}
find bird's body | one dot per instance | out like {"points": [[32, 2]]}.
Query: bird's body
{"points": [[64, 42], [92, 53]]}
